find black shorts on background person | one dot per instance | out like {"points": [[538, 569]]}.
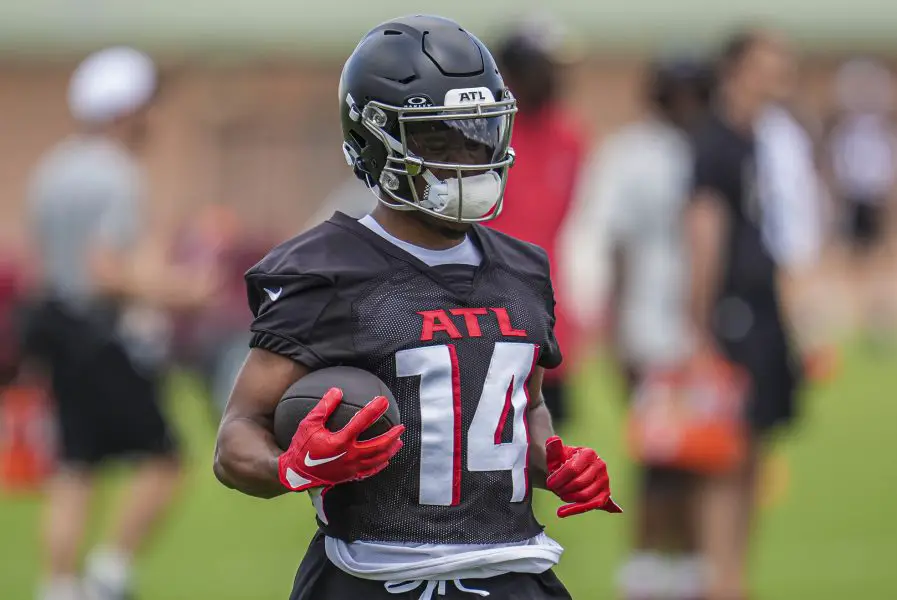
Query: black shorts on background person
{"points": [[107, 406], [865, 226]]}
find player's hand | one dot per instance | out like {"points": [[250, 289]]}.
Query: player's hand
{"points": [[578, 476], [318, 457]]}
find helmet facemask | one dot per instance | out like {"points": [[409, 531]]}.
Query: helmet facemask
{"points": [[423, 144]]}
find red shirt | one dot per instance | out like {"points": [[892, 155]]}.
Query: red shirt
{"points": [[12, 290], [550, 149]]}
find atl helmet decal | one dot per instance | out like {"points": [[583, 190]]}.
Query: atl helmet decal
{"points": [[416, 101], [465, 96]]}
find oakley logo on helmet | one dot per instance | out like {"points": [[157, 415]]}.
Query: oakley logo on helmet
{"points": [[418, 101], [465, 96]]}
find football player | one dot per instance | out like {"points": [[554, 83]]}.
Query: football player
{"points": [[454, 317]]}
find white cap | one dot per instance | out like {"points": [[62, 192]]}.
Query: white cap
{"points": [[110, 84]]}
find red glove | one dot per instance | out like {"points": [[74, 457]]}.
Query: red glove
{"points": [[318, 457], [579, 476]]}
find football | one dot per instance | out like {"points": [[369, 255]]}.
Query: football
{"points": [[359, 387]]}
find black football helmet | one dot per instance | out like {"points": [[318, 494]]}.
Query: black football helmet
{"points": [[421, 75]]}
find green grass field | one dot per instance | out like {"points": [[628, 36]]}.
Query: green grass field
{"points": [[833, 534]]}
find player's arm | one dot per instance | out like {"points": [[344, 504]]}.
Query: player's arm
{"points": [[144, 275], [705, 230], [705, 225], [120, 267], [540, 430], [287, 343], [248, 459], [246, 455], [576, 475]]}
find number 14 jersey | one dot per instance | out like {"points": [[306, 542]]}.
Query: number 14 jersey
{"points": [[457, 358]]}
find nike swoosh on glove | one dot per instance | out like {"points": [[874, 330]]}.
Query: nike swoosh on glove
{"points": [[318, 457], [578, 476]]}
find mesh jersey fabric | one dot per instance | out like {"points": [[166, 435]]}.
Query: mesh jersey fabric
{"points": [[345, 296]]}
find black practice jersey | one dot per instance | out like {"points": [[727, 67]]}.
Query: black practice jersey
{"points": [[457, 354]]}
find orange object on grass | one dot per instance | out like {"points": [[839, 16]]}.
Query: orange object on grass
{"points": [[691, 418], [823, 364], [26, 440]]}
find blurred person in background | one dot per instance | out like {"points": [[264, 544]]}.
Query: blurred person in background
{"points": [[861, 157], [632, 211], [734, 301], [214, 342], [96, 325], [26, 440], [789, 188], [12, 288], [550, 150], [348, 198], [794, 208]]}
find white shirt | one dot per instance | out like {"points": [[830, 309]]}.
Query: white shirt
{"points": [[465, 253], [430, 567], [864, 151], [789, 188], [634, 189]]}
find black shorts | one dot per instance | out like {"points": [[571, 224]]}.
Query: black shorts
{"points": [[867, 223], [319, 579], [775, 375], [105, 406]]}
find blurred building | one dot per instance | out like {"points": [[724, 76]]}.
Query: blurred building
{"points": [[262, 138], [248, 111]]}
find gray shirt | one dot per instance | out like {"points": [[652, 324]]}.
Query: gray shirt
{"points": [[84, 193]]}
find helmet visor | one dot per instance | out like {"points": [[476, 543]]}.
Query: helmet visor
{"points": [[437, 135]]}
